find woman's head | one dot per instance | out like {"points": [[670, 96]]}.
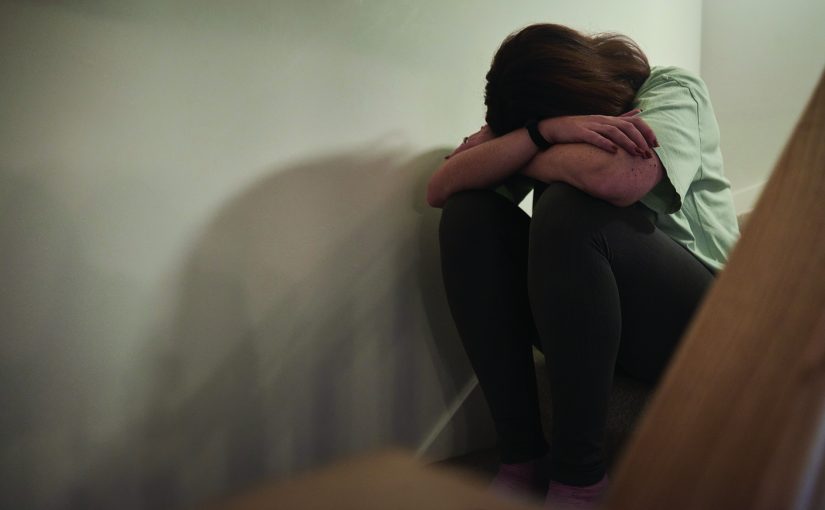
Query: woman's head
{"points": [[550, 70]]}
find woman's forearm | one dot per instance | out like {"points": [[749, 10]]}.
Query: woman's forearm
{"points": [[619, 178], [568, 162], [585, 154], [481, 166]]}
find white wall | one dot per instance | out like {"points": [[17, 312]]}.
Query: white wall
{"points": [[761, 60], [217, 264]]}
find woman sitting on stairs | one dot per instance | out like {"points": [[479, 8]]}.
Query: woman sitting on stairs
{"points": [[632, 218]]}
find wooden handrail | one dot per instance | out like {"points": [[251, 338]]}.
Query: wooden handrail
{"points": [[738, 421]]}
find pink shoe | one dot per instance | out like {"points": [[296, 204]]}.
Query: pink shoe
{"points": [[525, 480], [562, 497]]}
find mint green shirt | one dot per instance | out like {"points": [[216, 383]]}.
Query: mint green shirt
{"points": [[693, 203]]}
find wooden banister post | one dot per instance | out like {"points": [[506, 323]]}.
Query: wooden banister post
{"points": [[738, 421]]}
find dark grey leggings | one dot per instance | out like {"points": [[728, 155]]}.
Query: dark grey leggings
{"points": [[591, 284]]}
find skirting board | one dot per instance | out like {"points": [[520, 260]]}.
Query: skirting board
{"points": [[465, 427]]}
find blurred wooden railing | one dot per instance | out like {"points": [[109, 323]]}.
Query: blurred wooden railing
{"points": [[738, 421]]}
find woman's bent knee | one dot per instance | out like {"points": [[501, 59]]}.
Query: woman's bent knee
{"points": [[474, 213], [564, 208]]}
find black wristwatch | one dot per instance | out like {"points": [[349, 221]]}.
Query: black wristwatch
{"points": [[535, 135]]}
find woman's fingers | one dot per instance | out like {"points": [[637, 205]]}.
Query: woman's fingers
{"points": [[641, 125], [597, 140], [645, 130], [482, 135], [630, 127], [462, 147], [624, 138], [604, 131]]}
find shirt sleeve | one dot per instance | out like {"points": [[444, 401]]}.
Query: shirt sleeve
{"points": [[671, 109]]}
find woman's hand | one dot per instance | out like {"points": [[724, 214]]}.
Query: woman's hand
{"points": [[606, 132], [482, 135]]}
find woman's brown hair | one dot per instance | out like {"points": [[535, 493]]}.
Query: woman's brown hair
{"points": [[548, 70]]}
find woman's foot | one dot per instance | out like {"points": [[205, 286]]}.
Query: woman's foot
{"points": [[524, 480], [561, 496]]}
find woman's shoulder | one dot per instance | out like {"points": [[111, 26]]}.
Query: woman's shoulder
{"points": [[673, 76]]}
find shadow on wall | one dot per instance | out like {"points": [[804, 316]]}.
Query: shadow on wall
{"points": [[311, 323]]}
